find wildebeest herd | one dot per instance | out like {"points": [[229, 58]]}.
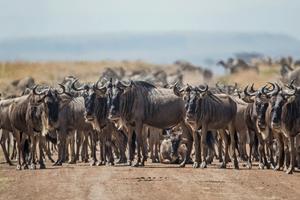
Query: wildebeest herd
{"points": [[177, 123]]}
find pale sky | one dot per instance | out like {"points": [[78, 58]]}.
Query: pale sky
{"points": [[74, 17]]}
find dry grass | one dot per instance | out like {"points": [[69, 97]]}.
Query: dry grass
{"points": [[243, 78], [52, 72]]}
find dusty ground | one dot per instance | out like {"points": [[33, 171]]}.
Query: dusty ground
{"points": [[155, 181]]}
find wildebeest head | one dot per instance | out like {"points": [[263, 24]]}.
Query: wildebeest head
{"points": [[278, 100], [51, 98], [91, 94], [194, 101], [115, 93], [261, 103], [184, 93], [176, 141]]}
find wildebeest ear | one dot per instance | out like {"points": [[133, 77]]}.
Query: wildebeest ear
{"points": [[291, 99], [177, 91]]}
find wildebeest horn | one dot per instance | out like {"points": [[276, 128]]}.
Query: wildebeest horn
{"points": [[265, 90], [247, 92], [288, 93], [203, 90], [75, 88], [252, 88], [39, 93], [63, 90], [291, 84], [96, 86], [275, 90], [125, 84]]}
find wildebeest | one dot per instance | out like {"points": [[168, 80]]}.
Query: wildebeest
{"points": [[173, 148], [259, 122], [139, 103], [207, 111], [96, 113], [64, 114], [285, 117]]}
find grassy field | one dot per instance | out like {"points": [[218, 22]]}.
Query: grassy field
{"points": [[52, 72]]}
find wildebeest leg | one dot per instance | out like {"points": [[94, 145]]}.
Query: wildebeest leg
{"points": [[188, 133], [156, 150], [233, 145], [24, 150], [224, 155], [3, 140], [298, 151], [151, 141], [196, 147], [33, 151], [61, 140], [93, 148], [78, 144], [139, 139], [17, 137], [280, 151], [14, 150], [42, 142], [72, 141], [130, 146], [251, 141], [203, 145], [86, 145], [220, 146], [292, 155]]}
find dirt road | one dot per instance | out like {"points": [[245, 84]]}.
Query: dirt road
{"points": [[151, 182]]}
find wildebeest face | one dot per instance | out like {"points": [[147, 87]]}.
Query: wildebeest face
{"points": [[51, 102], [89, 104], [261, 106], [192, 105], [175, 140], [114, 101], [277, 103]]}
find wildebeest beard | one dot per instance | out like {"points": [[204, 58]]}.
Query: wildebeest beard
{"points": [[53, 109], [261, 112], [101, 108]]}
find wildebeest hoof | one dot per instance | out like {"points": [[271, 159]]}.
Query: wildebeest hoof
{"points": [[223, 165], [57, 164], [196, 165], [129, 163], [19, 167], [277, 168], [289, 170], [249, 165], [203, 165], [93, 163], [261, 166], [236, 165], [42, 166], [25, 167], [72, 162], [135, 164], [182, 164], [100, 163], [32, 166]]}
